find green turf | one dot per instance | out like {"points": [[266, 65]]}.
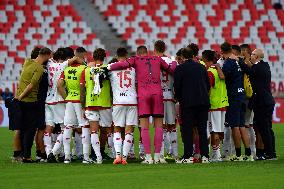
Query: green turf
{"points": [[265, 174]]}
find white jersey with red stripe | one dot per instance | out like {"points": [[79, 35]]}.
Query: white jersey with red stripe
{"points": [[123, 87], [54, 71], [167, 82]]}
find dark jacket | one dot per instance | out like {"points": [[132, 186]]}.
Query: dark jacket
{"points": [[191, 85], [260, 78]]}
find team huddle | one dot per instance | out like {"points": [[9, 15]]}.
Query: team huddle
{"points": [[97, 104]]}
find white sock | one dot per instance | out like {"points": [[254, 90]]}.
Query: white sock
{"points": [[156, 156], [117, 143], [78, 144], [166, 140], [227, 142], [67, 134], [127, 144], [132, 150], [86, 142], [174, 142], [252, 138], [53, 138], [216, 151], [141, 148], [47, 143], [58, 144], [96, 144], [110, 144]]}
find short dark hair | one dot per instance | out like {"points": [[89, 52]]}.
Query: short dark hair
{"points": [[113, 60], [81, 50], [187, 53], [121, 52], [244, 46], [194, 48], [236, 48], [226, 47], [59, 54], [99, 54], [142, 49], [69, 53], [160, 46], [35, 52], [208, 55], [45, 51], [179, 52]]}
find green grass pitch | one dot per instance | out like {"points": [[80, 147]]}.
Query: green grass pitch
{"points": [[265, 174]]}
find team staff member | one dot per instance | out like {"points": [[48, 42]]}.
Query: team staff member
{"points": [[263, 101], [27, 95], [191, 89]]}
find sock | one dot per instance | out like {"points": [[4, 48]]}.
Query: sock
{"points": [[247, 151], [58, 144], [226, 142], [252, 138], [163, 145], [110, 144], [86, 142], [127, 145], [96, 144], [158, 139], [216, 151], [148, 156], [146, 140], [117, 142], [53, 138], [174, 144], [141, 148], [47, 142], [78, 144], [157, 156], [238, 152], [67, 134], [132, 150]]}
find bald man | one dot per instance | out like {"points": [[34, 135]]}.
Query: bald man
{"points": [[263, 101]]}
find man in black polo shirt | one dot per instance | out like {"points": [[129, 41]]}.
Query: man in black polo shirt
{"points": [[263, 101], [236, 97]]}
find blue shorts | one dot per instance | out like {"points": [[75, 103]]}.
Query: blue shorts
{"points": [[235, 115]]}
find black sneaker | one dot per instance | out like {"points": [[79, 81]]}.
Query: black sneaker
{"points": [[51, 158], [60, 159], [105, 156]]}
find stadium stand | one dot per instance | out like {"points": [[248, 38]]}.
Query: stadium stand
{"points": [[25, 24], [207, 23]]}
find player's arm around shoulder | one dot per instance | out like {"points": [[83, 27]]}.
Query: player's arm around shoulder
{"points": [[61, 86], [83, 90]]}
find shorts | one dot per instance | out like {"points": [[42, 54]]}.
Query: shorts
{"points": [[248, 115], [54, 114], [124, 115], [104, 117], [235, 115], [74, 115], [216, 121], [169, 113], [151, 105]]}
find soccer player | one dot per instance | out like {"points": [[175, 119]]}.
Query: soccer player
{"points": [[218, 103], [97, 107], [55, 105], [73, 116], [169, 121], [245, 52], [150, 97], [236, 96], [124, 111]]}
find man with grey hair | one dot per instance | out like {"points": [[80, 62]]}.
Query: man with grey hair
{"points": [[263, 101]]}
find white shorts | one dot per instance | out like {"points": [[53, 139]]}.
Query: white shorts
{"points": [[169, 113], [104, 117], [74, 115], [216, 121], [249, 117], [125, 115], [54, 114]]}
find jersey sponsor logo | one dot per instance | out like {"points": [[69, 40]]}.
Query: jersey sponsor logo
{"points": [[122, 94], [241, 90], [72, 71]]}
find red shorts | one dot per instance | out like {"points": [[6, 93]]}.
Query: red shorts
{"points": [[151, 105]]}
